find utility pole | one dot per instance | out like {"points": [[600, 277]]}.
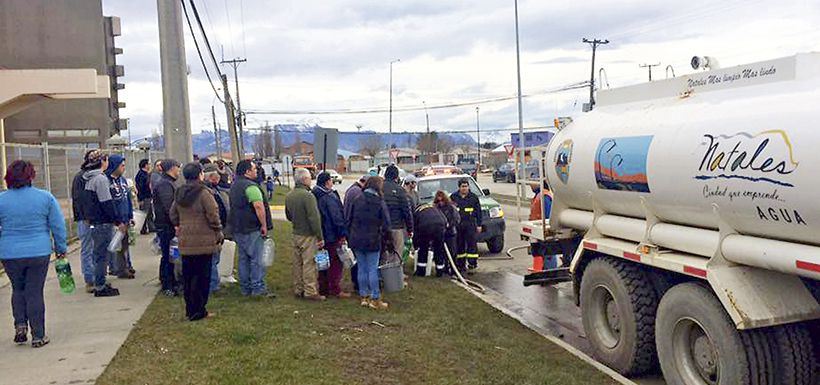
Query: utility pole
{"points": [[176, 115], [650, 68], [236, 148], [216, 134], [391, 98], [239, 117], [595, 43], [478, 137]]}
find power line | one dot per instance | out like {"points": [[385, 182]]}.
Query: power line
{"points": [[365, 133], [594, 43], [199, 51], [205, 37], [242, 21], [377, 110], [650, 68], [230, 28]]}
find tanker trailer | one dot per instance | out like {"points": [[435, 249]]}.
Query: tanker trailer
{"points": [[699, 200]]}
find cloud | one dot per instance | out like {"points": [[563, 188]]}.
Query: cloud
{"points": [[314, 54]]}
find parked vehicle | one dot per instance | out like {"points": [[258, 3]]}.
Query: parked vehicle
{"points": [[469, 167], [505, 172], [306, 162], [492, 215], [697, 201], [335, 176]]}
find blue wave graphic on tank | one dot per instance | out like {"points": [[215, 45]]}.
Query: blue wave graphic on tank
{"points": [[765, 157], [620, 163]]}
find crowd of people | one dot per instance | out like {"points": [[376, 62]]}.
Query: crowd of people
{"points": [[375, 219], [195, 207]]}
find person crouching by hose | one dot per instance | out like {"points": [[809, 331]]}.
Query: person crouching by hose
{"points": [[195, 214], [430, 225], [450, 212], [469, 209]]}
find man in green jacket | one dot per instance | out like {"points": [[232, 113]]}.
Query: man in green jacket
{"points": [[302, 210]]}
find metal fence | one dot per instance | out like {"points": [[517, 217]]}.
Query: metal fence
{"points": [[56, 167]]}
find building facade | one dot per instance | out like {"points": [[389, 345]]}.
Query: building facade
{"points": [[48, 34]]}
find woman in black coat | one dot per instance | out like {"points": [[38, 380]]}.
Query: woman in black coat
{"points": [[368, 224]]}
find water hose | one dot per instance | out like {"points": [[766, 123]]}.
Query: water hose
{"points": [[466, 282]]}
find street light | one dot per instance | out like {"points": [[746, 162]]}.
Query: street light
{"points": [[478, 137], [520, 115], [426, 115], [391, 97]]}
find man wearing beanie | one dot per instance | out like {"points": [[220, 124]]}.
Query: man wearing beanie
{"points": [[334, 232], [401, 218], [83, 228], [123, 215], [98, 210], [163, 195], [196, 216]]}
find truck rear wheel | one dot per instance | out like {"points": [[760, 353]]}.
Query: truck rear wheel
{"points": [[618, 306], [698, 344]]}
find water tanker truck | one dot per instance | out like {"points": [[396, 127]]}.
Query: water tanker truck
{"points": [[698, 198]]}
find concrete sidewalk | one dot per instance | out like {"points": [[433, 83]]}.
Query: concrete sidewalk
{"points": [[85, 332]]}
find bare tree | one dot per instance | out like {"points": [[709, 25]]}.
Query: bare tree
{"points": [[370, 145], [263, 143]]}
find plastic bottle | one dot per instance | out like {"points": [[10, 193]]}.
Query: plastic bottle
{"points": [[408, 248], [268, 252], [116, 241], [64, 275], [174, 250], [322, 260]]}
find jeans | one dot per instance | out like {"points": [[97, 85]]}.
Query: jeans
{"points": [[368, 262], [251, 271], [196, 277], [166, 267], [214, 281], [86, 251], [28, 276], [101, 235]]}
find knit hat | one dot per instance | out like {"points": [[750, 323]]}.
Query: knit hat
{"points": [[168, 164], [322, 178], [410, 179], [392, 173], [93, 159], [210, 168], [114, 162]]}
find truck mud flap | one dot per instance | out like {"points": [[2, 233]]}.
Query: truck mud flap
{"points": [[548, 277]]}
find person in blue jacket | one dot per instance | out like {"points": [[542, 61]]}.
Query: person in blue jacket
{"points": [[123, 215], [31, 227]]}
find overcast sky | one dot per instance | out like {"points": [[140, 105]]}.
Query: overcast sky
{"points": [[321, 54]]}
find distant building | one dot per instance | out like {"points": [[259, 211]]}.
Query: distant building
{"points": [[301, 148], [48, 34]]}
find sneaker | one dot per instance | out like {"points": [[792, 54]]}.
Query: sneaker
{"points": [[39, 343], [107, 291], [168, 293], [89, 288], [21, 335], [126, 275], [365, 302], [378, 304]]}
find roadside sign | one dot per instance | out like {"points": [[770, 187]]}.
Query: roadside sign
{"points": [[394, 154], [325, 146]]}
